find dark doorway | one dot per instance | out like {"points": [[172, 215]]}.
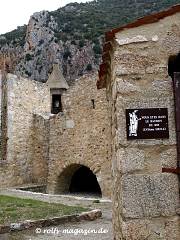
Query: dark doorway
{"points": [[174, 65], [84, 181], [174, 72], [56, 104]]}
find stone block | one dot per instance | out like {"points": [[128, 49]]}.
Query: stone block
{"points": [[149, 195], [130, 159], [70, 124], [160, 228], [168, 157], [122, 70], [135, 39], [162, 85], [155, 38], [124, 87], [172, 228], [92, 215]]}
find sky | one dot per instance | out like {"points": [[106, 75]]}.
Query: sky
{"points": [[15, 13]]}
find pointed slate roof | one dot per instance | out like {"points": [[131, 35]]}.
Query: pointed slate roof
{"points": [[56, 79]]}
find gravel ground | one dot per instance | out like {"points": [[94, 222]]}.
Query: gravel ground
{"points": [[100, 229]]}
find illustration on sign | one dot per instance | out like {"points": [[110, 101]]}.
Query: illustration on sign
{"points": [[133, 127], [147, 123]]}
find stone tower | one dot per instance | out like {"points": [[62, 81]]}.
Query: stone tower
{"points": [[57, 85]]}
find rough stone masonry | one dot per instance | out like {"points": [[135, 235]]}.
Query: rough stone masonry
{"points": [[46, 148], [135, 73], [23, 99], [80, 136]]}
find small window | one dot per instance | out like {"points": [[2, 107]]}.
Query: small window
{"points": [[93, 103], [56, 104]]}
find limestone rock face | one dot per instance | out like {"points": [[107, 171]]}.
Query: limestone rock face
{"points": [[39, 50], [72, 37], [35, 57], [37, 30]]}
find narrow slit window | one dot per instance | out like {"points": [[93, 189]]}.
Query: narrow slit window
{"points": [[93, 103], [56, 104]]}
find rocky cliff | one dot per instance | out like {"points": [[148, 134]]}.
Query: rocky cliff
{"points": [[71, 36], [41, 49]]}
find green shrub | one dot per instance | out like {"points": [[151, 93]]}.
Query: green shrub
{"points": [[28, 57], [66, 54], [89, 67], [81, 43], [97, 49]]}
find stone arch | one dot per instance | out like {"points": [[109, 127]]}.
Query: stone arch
{"points": [[78, 178]]}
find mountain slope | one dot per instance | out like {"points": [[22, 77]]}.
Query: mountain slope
{"points": [[71, 36]]}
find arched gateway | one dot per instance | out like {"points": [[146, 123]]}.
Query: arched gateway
{"points": [[79, 137], [78, 179]]}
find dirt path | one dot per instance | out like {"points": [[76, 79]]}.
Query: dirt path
{"points": [[101, 229]]}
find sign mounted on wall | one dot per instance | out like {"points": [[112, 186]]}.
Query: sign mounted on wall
{"points": [[148, 123]]}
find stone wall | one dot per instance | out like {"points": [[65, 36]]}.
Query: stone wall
{"points": [[40, 148], [25, 98], [3, 118], [80, 136], [0, 117], [145, 200]]}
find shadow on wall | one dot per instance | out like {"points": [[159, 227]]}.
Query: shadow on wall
{"points": [[78, 179]]}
